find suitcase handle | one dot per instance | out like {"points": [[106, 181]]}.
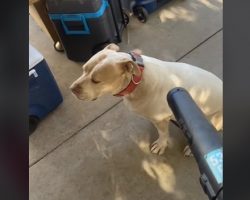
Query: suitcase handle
{"points": [[75, 17], [33, 72]]}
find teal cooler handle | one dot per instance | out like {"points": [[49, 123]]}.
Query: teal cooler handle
{"points": [[81, 17], [74, 17]]}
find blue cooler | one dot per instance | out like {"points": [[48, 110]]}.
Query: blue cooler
{"points": [[149, 5], [142, 8], [44, 94]]}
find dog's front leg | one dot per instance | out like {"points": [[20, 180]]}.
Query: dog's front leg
{"points": [[159, 145]]}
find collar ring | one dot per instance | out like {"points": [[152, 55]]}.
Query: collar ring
{"points": [[136, 83]]}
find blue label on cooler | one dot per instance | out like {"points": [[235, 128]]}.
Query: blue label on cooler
{"points": [[215, 162]]}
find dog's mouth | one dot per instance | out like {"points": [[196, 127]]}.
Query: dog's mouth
{"points": [[86, 99], [83, 97]]}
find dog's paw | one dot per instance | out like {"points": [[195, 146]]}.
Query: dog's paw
{"points": [[187, 151], [159, 146]]}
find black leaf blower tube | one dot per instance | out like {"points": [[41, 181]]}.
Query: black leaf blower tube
{"points": [[204, 141]]}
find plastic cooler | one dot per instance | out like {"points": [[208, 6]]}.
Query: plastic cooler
{"points": [[143, 8], [85, 26], [149, 5], [44, 94]]}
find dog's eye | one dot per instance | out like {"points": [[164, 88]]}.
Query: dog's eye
{"points": [[95, 81]]}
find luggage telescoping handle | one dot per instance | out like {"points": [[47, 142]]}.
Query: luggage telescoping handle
{"points": [[74, 17], [33, 72]]}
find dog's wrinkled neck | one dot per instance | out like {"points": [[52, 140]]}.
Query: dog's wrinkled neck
{"points": [[145, 86], [127, 78], [134, 94], [131, 81], [124, 83]]}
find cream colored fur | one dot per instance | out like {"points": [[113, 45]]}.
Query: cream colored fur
{"points": [[110, 71]]}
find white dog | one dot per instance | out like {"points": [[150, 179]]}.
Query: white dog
{"points": [[144, 87]]}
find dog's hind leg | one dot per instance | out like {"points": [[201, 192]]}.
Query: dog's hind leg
{"points": [[159, 145]]}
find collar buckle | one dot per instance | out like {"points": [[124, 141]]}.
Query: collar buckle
{"points": [[136, 58]]}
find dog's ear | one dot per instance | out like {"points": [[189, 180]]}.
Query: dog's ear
{"points": [[131, 67], [113, 47], [137, 51]]}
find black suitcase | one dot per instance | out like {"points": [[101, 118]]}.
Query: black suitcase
{"points": [[86, 26]]}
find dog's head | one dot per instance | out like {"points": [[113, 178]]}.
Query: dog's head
{"points": [[107, 72]]}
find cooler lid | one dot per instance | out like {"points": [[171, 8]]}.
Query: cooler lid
{"points": [[73, 6], [34, 57]]}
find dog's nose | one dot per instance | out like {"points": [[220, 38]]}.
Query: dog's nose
{"points": [[76, 89]]}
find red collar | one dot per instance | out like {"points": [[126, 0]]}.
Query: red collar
{"points": [[135, 79]]}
